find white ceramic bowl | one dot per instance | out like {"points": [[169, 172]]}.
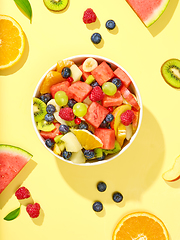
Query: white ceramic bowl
{"points": [[78, 59]]}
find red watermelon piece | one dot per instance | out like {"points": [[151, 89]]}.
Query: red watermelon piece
{"points": [[107, 137], [95, 114], [129, 97], [85, 75], [79, 91], [122, 76], [62, 86], [111, 101], [102, 73], [148, 10], [12, 161], [52, 134]]}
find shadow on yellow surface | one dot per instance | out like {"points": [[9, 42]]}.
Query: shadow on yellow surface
{"points": [[132, 173], [17, 181], [20, 63], [164, 19]]}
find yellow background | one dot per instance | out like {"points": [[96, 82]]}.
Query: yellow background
{"points": [[66, 192]]}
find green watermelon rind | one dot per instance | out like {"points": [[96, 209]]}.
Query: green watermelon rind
{"points": [[156, 15], [14, 149]]}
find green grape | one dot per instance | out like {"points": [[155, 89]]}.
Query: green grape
{"points": [[61, 98], [79, 109], [109, 88]]}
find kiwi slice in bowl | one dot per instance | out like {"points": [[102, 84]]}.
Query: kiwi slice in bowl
{"points": [[56, 5], [39, 109], [170, 71]]}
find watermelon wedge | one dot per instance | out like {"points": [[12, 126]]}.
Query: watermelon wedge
{"points": [[148, 10], [12, 160]]}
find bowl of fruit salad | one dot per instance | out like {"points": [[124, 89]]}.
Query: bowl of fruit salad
{"points": [[86, 110]]}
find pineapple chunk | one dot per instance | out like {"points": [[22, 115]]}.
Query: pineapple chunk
{"points": [[71, 142], [78, 157], [75, 73]]}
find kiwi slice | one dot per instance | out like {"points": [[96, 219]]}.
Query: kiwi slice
{"points": [[170, 71], [59, 142], [39, 109], [45, 126], [116, 149], [56, 5]]}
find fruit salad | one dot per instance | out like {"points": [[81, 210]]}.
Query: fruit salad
{"points": [[86, 111]]}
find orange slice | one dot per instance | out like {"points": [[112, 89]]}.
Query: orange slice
{"points": [[12, 41], [87, 140], [140, 225]]}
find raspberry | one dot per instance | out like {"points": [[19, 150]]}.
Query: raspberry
{"points": [[96, 94], [127, 117], [89, 16], [66, 114], [33, 210], [22, 193]]}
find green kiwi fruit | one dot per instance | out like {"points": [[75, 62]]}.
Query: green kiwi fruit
{"points": [[45, 126], [59, 142], [170, 71], [39, 109], [116, 149], [56, 5]]}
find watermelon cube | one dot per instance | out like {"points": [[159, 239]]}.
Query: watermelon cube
{"points": [[85, 75], [79, 91], [95, 114], [112, 101], [102, 73], [62, 86], [107, 137], [129, 97], [123, 77]]}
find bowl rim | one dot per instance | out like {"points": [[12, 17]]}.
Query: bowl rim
{"points": [[80, 59]]}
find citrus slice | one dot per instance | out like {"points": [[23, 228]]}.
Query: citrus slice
{"points": [[140, 226], [87, 139], [12, 41]]}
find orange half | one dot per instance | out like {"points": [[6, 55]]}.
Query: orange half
{"points": [[12, 41]]}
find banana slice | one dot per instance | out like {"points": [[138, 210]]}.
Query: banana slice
{"points": [[89, 64], [53, 102], [59, 119]]}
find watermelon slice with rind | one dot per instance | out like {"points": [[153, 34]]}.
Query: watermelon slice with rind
{"points": [[148, 10], [12, 160]]}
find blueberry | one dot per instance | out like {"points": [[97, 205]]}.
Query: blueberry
{"points": [[117, 82], [102, 157], [71, 103], [89, 154], [101, 186], [94, 84], [49, 143], [97, 206], [49, 117], [50, 108], [109, 118], [117, 197], [63, 128], [45, 97], [110, 24], [66, 72], [83, 125], [96, 38], [103, 124], [66, 154]]}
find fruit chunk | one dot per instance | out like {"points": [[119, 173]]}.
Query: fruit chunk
{"points": [[170, 71], [107, 137], [136, 118], [12, 161], [145, 226], [56, 5], [115, 100], [173, 174], [62, 86], [39, 109], [102, 73], [84, 74], [95, 114], [52, 134], [71, 142], [79, 91], [148, 11], [129, 97], [75, 73], [89, 64], [78, 157], [121, 134], [87, 140], [123, 77], [51, 78], [63, 63], [12, 42]]}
